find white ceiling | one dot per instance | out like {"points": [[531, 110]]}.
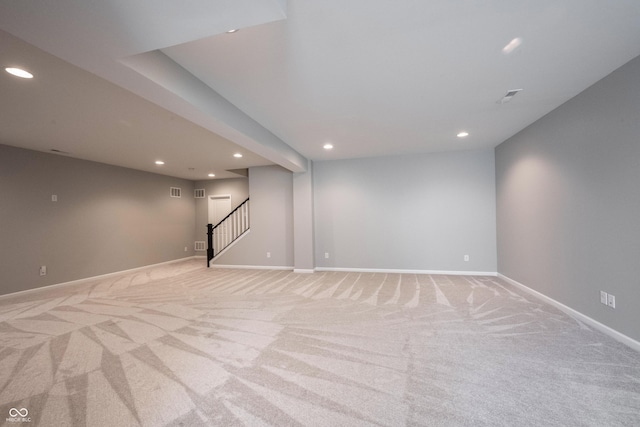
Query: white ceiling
{"points": [[68, 109], [374, 78]]}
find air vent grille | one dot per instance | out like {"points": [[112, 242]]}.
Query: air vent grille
{"points": [[510, 94], [200, 246], [175, 192], [198, 193]]}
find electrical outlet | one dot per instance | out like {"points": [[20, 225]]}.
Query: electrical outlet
{"points": [[466, 258], [603, 298], [268, 254], [54, 198], [43, 270], [611, 301], [326, 255], [185, 249]]}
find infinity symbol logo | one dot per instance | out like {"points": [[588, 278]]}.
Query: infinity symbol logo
{"points": [[13, 412]]}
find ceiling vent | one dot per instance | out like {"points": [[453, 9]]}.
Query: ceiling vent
{"points": [[198, 193], [510, 94]]}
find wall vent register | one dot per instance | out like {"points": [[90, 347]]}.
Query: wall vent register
{"points": [[200, 246], [175, 192], [198, 193]]}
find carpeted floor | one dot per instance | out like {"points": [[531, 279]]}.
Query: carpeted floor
{"points": [[182, 345]]}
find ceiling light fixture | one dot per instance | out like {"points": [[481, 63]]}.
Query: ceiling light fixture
{"points": [[327, 146], [19, 72], [211, 175], [512, 45], [463, 134], [159, 162], [235, 30], [237, 155]]}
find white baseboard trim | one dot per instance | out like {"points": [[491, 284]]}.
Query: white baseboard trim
{"points": [[400, 271], [304, 270], [92, 278], [620, 337], [253, 267]]}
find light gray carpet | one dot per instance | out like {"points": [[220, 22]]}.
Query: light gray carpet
{"points": [[182, 345]]}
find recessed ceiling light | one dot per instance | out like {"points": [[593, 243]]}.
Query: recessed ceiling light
{"points": [[327, 146], [463, 134], [512, 45], [232, 31], [159, 162], [212, 175], [19, 72], [237, 155]]}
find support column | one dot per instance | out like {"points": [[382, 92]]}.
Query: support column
{"points": [[303, 226]]}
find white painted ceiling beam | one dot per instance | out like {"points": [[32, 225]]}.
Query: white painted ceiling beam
{"points": [[220, 115]]}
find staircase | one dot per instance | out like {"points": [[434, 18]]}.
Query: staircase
{"points": [[227, 231]]}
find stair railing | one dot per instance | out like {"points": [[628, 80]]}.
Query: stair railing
{"points": [[227, 231]]}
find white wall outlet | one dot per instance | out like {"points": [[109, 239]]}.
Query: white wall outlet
{"points": [[268, 254], [326, 255], [43, 270], [466, 258], [185, 249], [611, 301], [54, 198], [603, 298]]}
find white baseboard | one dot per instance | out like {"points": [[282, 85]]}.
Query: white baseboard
{"points": [[92, 278], [304, 270], [253, 267], [399, 271], [620, 337]]}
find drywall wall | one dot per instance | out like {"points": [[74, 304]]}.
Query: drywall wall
{"points": [[237, 188], [106, 219], [568, 202], [271, 219], [420, 212]]}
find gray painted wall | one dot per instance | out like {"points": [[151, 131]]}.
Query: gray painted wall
{"points": [[271, 216], [421, 212], [106, 219], [568, 202], [238, 188]]}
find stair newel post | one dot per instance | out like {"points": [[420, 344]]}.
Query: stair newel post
{"points": [[209, 243]]}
